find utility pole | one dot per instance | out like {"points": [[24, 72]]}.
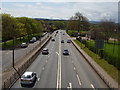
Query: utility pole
{"points": [[14, 55]]}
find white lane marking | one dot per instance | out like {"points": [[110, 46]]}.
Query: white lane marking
{"points": [[59, 66], [38, 79], [92, 86], [70, 86], [57, 53], [79, 80], [60, 61], [74, 68]]}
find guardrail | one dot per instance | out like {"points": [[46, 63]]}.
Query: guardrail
{"points": [[7, 84]]}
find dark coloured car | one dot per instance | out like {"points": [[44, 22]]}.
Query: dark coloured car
{"points": [[28, 78], [45, 51], [53, 39], [37, 37], [62, 41], [24, 45], [66, 52], [68, 41]]}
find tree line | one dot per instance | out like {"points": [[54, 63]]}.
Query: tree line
{"points": [[15, 27], [105, 29]]}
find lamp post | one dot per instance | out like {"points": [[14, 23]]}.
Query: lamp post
{"points": [[14, 55]]}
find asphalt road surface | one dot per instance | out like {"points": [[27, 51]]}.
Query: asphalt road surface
{"points": [[7, 55], [56, 70]]}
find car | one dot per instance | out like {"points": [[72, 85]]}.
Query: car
{"points": [[34, 39], [68, 41], [62, 41], [28, 78], [56, 31], [31, 41], [53, 39], [37, 37], [45, 51], [24, 45], [66, 52], [44, 34]]}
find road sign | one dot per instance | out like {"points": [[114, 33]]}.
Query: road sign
{"points": [[99, 44]]}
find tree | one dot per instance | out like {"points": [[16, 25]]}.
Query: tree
{"points": [[9, 25], [78, 22], [108, 27]]}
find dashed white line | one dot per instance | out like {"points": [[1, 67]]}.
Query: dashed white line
{"points": [[79, 80], [70, 86], [74, 68], [38, 79], [92, 86], [57, 53]]}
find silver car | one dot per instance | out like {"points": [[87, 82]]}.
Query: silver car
{"points": [[45, 51], [24, 45], [28, 78]]}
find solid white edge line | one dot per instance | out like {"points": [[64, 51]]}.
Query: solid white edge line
{"points": [[79, 80], [58, 72], [60, 61], [38, 79]]}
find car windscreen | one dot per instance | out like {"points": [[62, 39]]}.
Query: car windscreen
{"points": [[26, 76]]}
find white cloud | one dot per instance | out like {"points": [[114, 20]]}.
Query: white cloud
{"points": [[92, 10], [60, 1]]}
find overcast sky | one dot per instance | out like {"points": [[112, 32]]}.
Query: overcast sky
{"points": [[95, 11]]}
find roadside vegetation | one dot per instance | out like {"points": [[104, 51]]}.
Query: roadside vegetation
{"points": [[110, 69], [20, 29], [101, 41]]}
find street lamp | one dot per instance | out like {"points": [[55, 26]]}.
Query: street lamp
{"points": [[14, 55]]}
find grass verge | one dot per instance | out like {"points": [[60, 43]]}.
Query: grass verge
{"points": [[17, 41], [110, 69]]}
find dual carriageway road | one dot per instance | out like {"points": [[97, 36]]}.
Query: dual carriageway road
{"points": [[56, 70]]}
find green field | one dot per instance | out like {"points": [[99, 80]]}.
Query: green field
{"points": [[110, 52]]}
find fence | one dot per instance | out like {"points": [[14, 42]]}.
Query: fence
{"points": [[110, 58]]}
